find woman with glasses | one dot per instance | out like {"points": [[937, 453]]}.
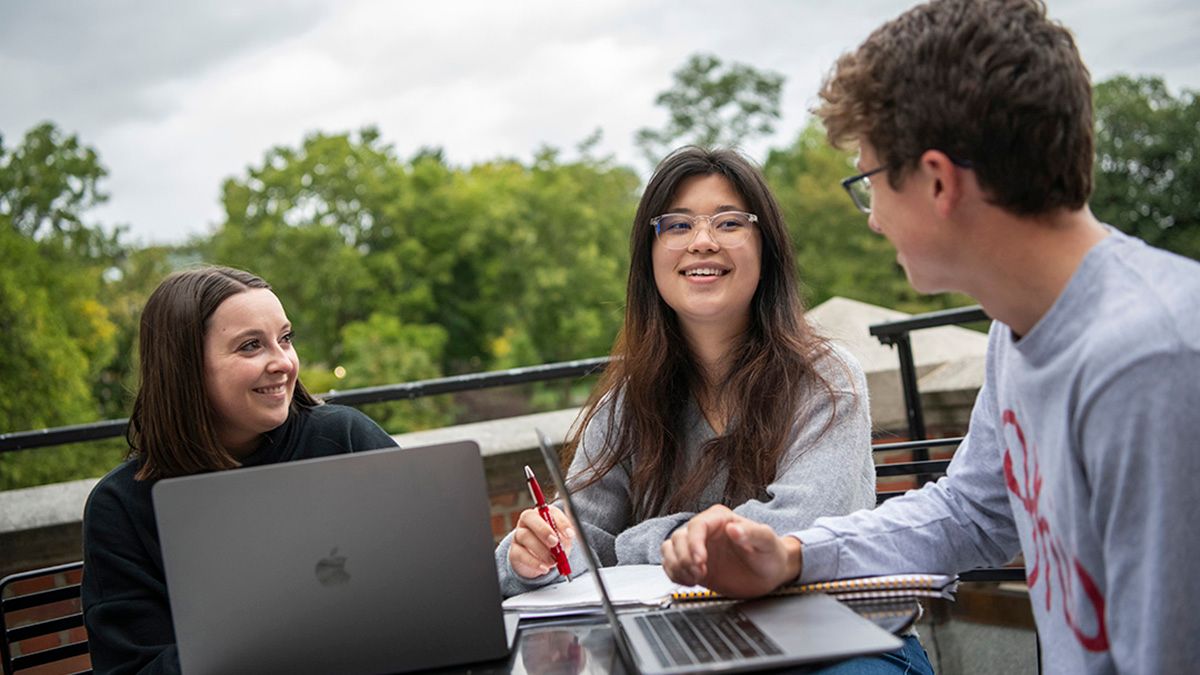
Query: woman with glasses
{"points": [[719, 392]]}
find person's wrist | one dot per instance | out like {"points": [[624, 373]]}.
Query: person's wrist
{"points": [[794, 559]]}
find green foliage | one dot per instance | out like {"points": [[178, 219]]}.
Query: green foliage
{"points": [[46, 183], [382, 350], [305, 221], [396, 269], [60, 463], [710, 105], [58, 334], [500, 255], [43, 377], [1148, 162], [124, 294]]}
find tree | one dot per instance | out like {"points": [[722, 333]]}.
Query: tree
{"points": [[58, 334], [47, 182], [711, 104], [382, 350], [306, 220], [1147, 178], [344, 229]]}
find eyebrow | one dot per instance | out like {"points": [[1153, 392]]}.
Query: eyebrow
{"points": [[255, 332], [723, 208]]}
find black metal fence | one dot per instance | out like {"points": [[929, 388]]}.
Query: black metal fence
{"points": [[38, 438], [893, 333]]}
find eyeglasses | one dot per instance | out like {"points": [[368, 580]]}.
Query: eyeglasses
{"points": [[859, 188], [729, 229]]}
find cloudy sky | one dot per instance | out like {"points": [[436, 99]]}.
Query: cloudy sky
{"points": [[178, 96]]}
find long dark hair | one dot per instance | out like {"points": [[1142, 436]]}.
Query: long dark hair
{"points": [[653, 373], [171, 427]]}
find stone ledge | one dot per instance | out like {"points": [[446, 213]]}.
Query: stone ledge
{"points": [[498, 437]]}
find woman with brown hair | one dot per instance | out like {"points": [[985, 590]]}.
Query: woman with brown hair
{"points": [[718, 392], [219, 390]]}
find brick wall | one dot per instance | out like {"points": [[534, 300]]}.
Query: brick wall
{"points": [[507, 491]]}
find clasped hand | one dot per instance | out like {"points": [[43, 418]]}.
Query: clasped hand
{"points": [[731, 555]]}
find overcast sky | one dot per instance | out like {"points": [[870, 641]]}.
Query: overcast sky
{"points": [[178, 96]]}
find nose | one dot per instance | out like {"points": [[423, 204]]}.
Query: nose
{"points": [[871, 223], [282, 360], [704, 240]]}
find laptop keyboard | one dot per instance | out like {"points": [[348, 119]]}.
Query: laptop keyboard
{"points": [[681, 638]]}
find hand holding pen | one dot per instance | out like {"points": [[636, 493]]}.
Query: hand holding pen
{"points": [[537, 545]]}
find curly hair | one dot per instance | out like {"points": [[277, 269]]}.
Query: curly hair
{"points": [[992, 83]]}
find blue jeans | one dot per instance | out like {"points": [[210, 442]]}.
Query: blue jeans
{"points": [[909, 659]]}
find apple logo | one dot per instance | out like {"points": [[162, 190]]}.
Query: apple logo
{"points": [[331, 570]]}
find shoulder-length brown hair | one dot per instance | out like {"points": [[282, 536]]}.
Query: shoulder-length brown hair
{"points": [[653, 373], [171, 427]]}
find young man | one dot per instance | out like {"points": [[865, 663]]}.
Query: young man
{"points": [[974, 123]]}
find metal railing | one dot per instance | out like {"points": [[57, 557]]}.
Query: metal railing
{"points": [[37, 438], [896, 333], [890, 333]]}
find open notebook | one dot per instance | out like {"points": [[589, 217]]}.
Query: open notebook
{"points": [[648, 586]]}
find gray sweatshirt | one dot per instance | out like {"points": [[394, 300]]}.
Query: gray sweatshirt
{"points": [[1083, 452], [819, 475]]}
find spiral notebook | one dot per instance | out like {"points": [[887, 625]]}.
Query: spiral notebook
{"points": [[861, 588], [648, 586]]}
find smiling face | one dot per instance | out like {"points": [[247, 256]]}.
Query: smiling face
{"points": [[250, 368], [707, 284]]}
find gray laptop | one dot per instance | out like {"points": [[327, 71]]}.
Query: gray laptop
{"points": [[729, 636], [368, 562]]}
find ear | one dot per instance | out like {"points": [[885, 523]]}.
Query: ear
{"points": [[945, 180]]}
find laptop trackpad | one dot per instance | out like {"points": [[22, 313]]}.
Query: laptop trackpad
{"points": [[817, 625]]}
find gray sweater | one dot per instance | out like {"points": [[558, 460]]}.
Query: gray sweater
{"points": [[819, 475], [1083, 452]]}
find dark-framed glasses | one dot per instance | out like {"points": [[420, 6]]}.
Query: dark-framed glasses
{"points": [[728, 229], [859, 188]]}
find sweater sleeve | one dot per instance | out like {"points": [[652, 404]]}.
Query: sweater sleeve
{"points": [[126, 610], [603, 508], [962, 521], [827, 469]]}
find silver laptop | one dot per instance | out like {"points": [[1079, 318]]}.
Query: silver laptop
{"points": [[367, 562], [729, 636]]}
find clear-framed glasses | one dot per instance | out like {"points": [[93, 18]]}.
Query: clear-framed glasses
{"points": [[859, 188], [729, 229]]}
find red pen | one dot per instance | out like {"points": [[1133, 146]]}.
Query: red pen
{"points": [[560, 558]]}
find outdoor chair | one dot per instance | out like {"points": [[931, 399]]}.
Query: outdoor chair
{"points": [[42, 620]]}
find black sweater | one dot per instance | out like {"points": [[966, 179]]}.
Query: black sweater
{"points": [[125, 604]]}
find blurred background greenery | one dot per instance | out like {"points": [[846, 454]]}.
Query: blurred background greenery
{"points": [[397, 268]]}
